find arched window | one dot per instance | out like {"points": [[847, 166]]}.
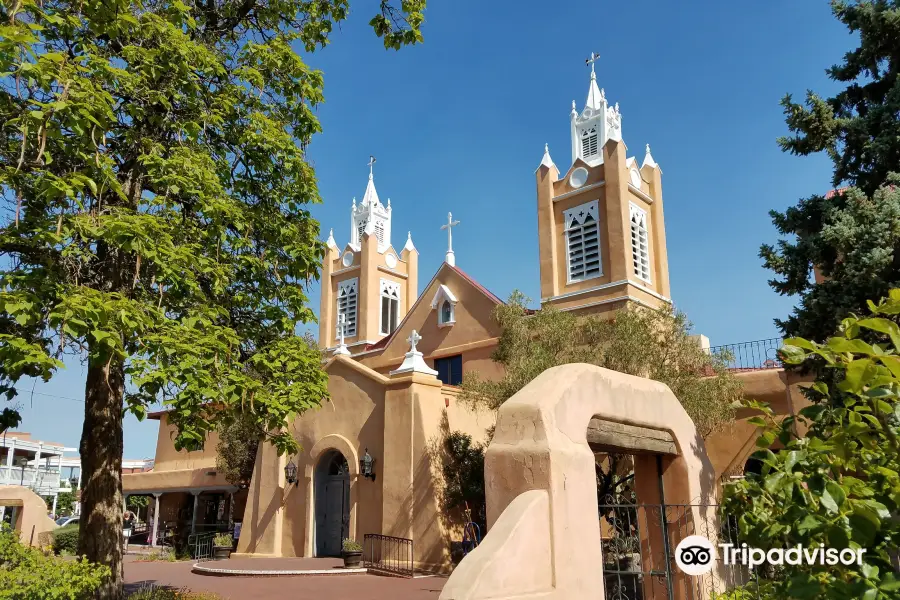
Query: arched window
{"points": [[640, 245], [446, 312], [583, 241]]}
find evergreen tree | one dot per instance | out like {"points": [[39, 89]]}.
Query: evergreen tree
{"points": [[156, 187], [849, 237]]}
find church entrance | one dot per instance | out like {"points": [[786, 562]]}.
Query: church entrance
{"points": [[332, 500]]}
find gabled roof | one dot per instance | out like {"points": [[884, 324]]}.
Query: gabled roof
{"points": [[383, 342]]}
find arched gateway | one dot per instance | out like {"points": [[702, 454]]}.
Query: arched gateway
{"points": [[332, 501]]}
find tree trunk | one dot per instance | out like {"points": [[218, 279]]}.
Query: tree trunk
{"points": [[100, 536]]}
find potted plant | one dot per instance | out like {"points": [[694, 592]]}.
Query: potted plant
{"points": [[351, 550], [222, 545]]}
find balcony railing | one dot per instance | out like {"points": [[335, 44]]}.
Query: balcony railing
{"points": [[750, 356], [43, 481]]}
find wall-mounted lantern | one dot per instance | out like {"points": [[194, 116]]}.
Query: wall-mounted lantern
{"points": [[290, 473], [367, 466]]}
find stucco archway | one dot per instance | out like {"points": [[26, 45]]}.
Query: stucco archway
{"points": [[544, 535], [326, 445]]}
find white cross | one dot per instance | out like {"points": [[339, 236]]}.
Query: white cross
{"points": [[342, 323], [413, 339], [590, 61], [371, 164], [449, 227]]}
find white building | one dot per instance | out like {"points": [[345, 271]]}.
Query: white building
{"points": [[31, 463]]}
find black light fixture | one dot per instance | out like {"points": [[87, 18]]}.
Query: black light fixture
{"points": [[290, 473], [367, 466]]}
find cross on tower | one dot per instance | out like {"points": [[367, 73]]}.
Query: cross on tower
{"points": [[451, 259], [594, 57], [413, 339], [371, 164]]}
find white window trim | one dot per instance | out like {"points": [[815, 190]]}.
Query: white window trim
{"points": [[593, 209], [387, 288], [633, 210], [443, 295], [351, 286]]}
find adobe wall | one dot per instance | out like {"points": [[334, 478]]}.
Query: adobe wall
{"points": [[32, 519]]}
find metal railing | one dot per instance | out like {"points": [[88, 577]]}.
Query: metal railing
{"points": [[42, 481], [388, 554], [750, 356], [201, 545]]}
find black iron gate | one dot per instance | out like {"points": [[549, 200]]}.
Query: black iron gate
{"points": [[639, 543]]}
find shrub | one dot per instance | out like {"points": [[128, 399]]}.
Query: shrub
{"points": [[65, 539], [351, 545], [224, 540], [152, 592], [27, 574]]}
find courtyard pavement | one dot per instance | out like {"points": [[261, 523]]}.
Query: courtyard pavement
{"points": [[312, 587]]}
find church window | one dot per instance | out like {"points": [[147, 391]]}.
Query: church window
{"points": [[390, 306], [449, 369], [347, 300], [583, 241], [640, 247], [379, 233], [589, 143], [446, 313]]}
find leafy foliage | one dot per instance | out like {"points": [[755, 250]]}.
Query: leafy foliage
{"points": [[351, 545], [153, 592], [647, 343], [239, 439], [26, 574], [851, 238], [223, 539], [65, 539], [153, 167], [839, 485], [65, 503], [462, 468], [137, 502]]}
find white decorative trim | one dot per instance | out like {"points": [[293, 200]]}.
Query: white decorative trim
{"points": [[608, 301], [546, 161], [409, 243], [607, 286], [350, 287], [640, 194], [330, 241], [443, 295], [391, 290], [390, 260], [347, 270], [384, 269], [648, 160], [413, 362], [579, 191]]}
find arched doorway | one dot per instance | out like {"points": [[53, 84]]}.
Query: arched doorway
{"points": [[332, 499]]}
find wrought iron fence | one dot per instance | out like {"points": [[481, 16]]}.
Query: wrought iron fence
{"points": [[388, 554], [639, 542], [201, 546], [748, 356]]}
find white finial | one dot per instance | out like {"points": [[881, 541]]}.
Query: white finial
{"points": [[451, 258], [590, 61], [371, 166], [409, 243], [546, 161], [330, 242], [354, 201], [648, 159], [389, 202], [342, 347], [413, 339]]}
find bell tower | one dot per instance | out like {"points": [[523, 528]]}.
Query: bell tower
{"points": [[601, 228], [367, 287]]}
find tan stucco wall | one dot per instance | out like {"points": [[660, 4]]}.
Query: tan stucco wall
{"points": [[32, 519], [169, 459]]}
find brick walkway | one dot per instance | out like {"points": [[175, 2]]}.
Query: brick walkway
{"points": [[337, 587]]}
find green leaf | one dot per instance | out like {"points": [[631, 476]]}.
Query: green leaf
{"points": [[833, 497]]}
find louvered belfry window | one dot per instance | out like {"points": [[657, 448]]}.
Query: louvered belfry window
{"points": [[583, 241], [347, 301], [589, 143], [640, 245]]}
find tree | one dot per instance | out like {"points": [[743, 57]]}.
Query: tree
{"points": [[859, 129], [838, 484], [462, 468], [65, 503], [239, 440], [151, 156], [637, 341]]}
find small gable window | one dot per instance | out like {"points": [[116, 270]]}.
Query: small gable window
{"points": [[449, 369], [444, 302], [583, 241]]}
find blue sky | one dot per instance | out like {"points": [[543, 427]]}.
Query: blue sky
{"points": [[459, 124]]}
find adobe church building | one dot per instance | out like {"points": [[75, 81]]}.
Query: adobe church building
{"points": [[394, 357]]}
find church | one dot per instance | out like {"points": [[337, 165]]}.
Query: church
{"points": [[394, 357]]}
